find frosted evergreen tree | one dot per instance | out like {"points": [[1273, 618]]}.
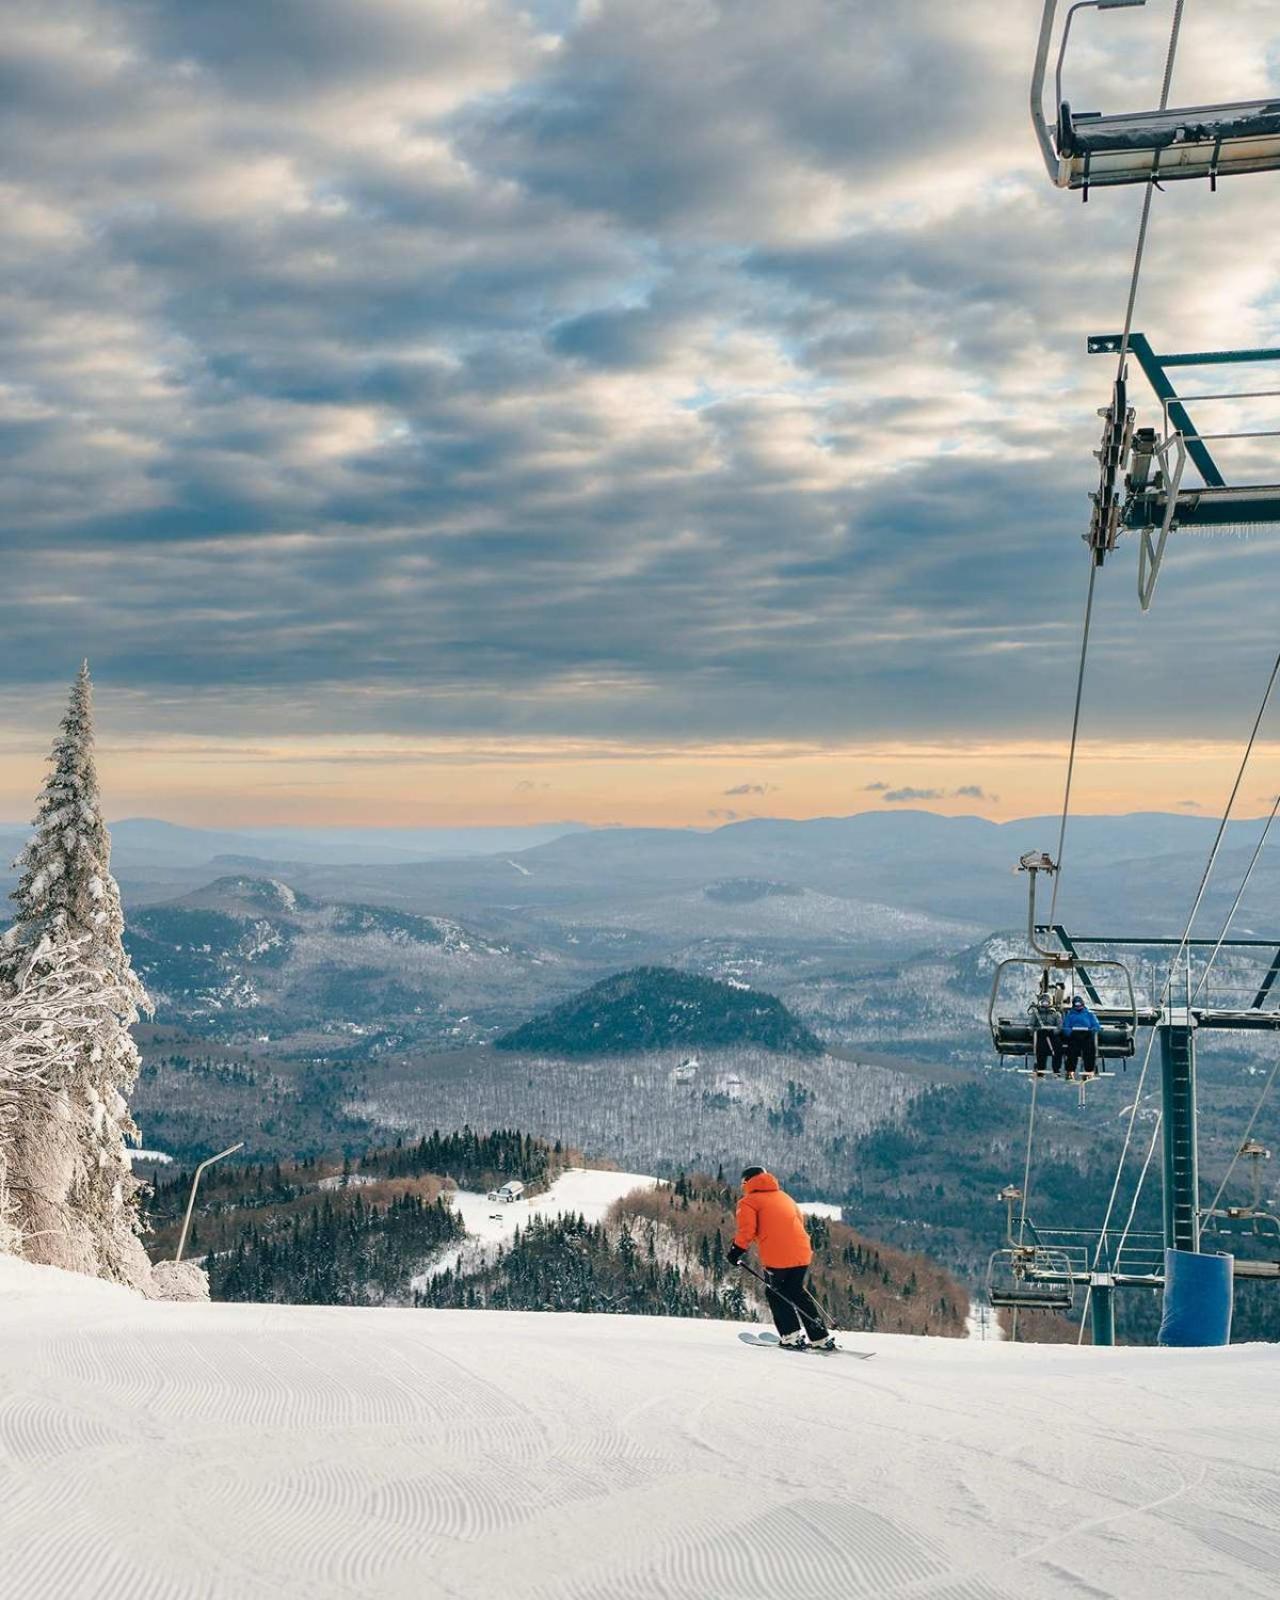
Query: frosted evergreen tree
{"points": [[68, 997]]}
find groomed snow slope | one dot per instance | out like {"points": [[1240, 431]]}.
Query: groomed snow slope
{"points": [[151, 1451]]}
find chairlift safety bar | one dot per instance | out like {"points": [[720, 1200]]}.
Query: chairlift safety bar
{"points": [[1250, 1016]]}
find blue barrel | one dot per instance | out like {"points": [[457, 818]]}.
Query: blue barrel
{"points": [[1197, 1299]]}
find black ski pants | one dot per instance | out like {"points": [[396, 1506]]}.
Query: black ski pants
{"points": [[788, 1282], [1082, 1050], [1048, 1043]]}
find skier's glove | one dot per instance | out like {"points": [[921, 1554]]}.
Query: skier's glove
{"points": [[737, 1255]]}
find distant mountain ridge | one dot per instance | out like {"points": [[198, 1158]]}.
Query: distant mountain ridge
{"points": [[658, 1008], [247, 956], [1142, 867]]}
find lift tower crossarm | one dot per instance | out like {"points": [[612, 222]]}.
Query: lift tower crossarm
{"points": [[1251, 1017], [1108, 344]]}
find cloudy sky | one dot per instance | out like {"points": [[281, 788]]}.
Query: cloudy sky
{"points": [[623, 410]]}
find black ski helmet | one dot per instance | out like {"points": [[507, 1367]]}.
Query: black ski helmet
{"points": [[751, 1172]]}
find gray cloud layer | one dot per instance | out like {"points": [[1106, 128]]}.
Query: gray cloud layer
{"points": [[655, 369]]}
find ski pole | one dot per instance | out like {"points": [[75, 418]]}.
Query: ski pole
{"points": [[760, 1278]]}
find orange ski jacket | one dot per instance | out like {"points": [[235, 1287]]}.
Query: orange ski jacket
{"points": [[774, 1221]]}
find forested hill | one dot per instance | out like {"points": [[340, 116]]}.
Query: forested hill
{"points": [[661, 1252], [656, 1008]]}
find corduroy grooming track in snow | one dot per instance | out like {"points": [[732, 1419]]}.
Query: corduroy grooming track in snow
{"points": [[250, 1452]]}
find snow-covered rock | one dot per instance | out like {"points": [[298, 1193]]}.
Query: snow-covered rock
{"points": [[249, 1452], [178, 1280]]}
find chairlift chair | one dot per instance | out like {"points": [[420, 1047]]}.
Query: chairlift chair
{"points": [[1013, 1033], [1085, 149], [1250, 1218], [1030, 1277]]}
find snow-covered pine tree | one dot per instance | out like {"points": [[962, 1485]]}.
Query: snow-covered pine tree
{"points": [[68, 997]]}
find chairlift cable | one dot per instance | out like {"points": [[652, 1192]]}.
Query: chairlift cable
{"points": [[1174, 32], [1075, 734], [1142, 1178], [1133, 1209], [1134, 277], [1257, 1110], [1235, 904], [1026, 1167], [1167, 987]]}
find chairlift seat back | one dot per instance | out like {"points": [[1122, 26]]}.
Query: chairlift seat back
{"points": [[1016, 1038], [1096, 151], [1030, 1279]]}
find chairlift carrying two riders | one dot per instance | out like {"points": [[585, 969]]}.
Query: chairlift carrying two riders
{"points": [[1023, 1031]]}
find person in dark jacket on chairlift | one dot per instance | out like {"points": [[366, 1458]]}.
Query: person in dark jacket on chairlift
{"points": [[1046, 1025], [1080, 1029]]}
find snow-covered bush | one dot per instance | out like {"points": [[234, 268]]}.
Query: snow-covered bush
{"points": [[66, 1061]]}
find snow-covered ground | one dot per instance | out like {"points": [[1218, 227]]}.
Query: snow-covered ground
{"points": [[579, 1191], [153, 1451]]}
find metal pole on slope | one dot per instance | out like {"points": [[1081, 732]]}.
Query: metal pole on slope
{"points": [[1102, 1308], [195, 1184]]}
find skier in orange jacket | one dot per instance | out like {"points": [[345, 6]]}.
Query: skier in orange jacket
{"points": [[770, 1218]]}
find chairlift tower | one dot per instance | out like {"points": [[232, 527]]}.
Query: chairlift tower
{"points": [[1178, 1021], [1144, 488], [1039, 1269]]}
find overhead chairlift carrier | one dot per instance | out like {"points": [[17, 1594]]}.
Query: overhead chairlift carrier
{"points": [[1085, 149], [1228, 1222], [1028, 1276], [1013, 1030]]}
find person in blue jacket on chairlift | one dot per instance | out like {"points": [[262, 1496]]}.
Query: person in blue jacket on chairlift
{"points": [[1080, 1029]]}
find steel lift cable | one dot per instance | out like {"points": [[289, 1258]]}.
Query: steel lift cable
{"points": [[1137, 1193], [1257, 1110], [1226, 928], [1139, 252], [1174, 32], [1124, 1152], [1026, 1167], [1075, 734], [1235, 904], [1167, 987], [1026, 1187]]}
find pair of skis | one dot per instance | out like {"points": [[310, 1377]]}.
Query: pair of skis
{"points": [[765, 1339]]}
